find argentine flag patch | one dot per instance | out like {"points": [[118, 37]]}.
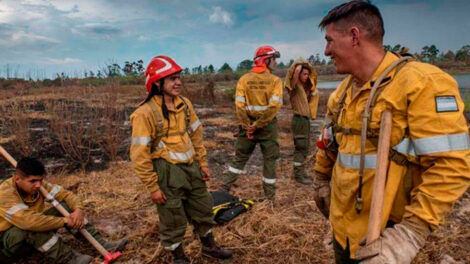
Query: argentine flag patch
{"points": [[446, 103]]}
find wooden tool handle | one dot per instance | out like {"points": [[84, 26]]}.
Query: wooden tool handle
{"points": [[376, 208], [8, 156], [83, 231]]}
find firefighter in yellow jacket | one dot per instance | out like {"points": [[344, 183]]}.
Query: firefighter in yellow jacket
{"points": [[25, 224], [429, 158], [258, 98], [169, 157], [301, 83]]}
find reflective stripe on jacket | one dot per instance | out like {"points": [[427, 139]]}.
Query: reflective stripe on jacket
{"points": [[258, 96], [303, 102], [27, 214], [428, 126], [176, 144]]}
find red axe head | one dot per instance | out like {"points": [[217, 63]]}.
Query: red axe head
{"points": [[110, 257]]}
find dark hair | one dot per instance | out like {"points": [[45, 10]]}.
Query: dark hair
{"points": [[158, 90], [362, 14], [30, 166], [154, 90], [305, 68]]}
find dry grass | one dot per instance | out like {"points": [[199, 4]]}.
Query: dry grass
{"points": [[291, 232], [119, 206], [215, 121], [209, 144], [452, 238], [227, 135], [286, 140]]}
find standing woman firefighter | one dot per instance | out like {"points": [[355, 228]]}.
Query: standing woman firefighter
{"points": [[169, 157], [301, 83]]}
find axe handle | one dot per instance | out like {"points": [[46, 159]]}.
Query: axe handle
{"points": [[59, 208], [8, 157], [376, 208], [83, 231]]}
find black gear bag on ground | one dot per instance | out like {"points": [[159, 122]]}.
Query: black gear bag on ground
{"points": [[226, 207]]}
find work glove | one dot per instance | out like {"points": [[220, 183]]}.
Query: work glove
{"points": [[322, 193], [396, 245]]}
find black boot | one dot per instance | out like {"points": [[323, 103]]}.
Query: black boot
{"points": [[210, 248], [178, 256], [79, 258]]}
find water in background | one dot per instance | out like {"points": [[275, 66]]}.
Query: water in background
{"points": [[463, 80]]}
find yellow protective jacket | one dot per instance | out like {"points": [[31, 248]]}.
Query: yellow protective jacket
{"points": [[258, 97], [428, 127], [178, 141], [27, 214], [304, 102]]}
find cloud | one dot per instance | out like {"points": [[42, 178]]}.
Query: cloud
{"points": [[143, 38], [66, 60], [293, 49], [6, 12], [28, 37], [21, 39], [220, 16], [5, 28], [99, 29]]}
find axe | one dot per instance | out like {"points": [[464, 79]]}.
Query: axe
{"points": [[108, 256]]}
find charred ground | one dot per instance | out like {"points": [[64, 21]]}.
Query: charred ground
{"points": [[83, 135]]}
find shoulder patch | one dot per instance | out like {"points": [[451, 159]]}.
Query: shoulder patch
{"points": [[446, 103]]}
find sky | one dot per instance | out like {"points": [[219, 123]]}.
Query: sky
{"points": [[40, 38]]}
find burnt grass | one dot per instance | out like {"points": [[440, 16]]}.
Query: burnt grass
{"points": [[45, 145], [117, 208]]}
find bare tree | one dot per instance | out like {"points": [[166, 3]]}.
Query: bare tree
{"points": [[75, 127]]}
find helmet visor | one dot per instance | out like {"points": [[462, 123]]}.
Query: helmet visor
{"points": [[274, 54]]}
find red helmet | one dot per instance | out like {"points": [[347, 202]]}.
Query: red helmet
{"points": [[160, 67], [266, 52]]}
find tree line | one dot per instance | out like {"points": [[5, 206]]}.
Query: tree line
{"points": [[133, 71], [429, 53]]}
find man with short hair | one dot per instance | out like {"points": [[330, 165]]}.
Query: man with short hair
{"points": [[26, 225], [301, 83], [429, 156], [258, 99]]}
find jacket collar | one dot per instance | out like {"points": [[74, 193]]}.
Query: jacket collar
{"points": [[388, 59], [178, 103]]}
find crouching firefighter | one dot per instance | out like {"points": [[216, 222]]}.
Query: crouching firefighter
{"points": [[169, 157], [25, 225], [428, 167], [258, 99]]}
